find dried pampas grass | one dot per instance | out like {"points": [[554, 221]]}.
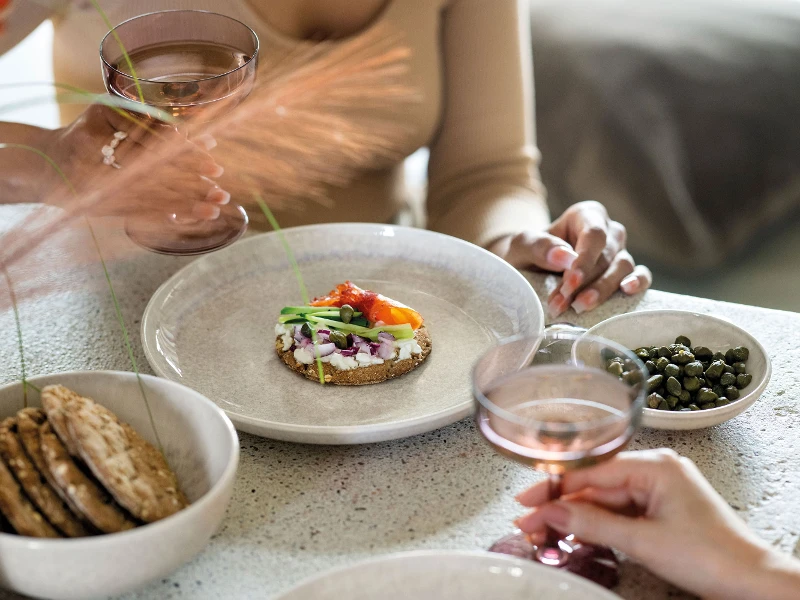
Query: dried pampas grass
{"points": [[317, 117]]}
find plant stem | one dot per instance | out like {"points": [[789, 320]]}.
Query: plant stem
{"points": [[15, 308], [298, 275], [122, 48], [117, 309]]}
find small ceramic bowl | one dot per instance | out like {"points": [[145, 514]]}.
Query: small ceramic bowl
{"points": [[200, 445], [661, 327]]}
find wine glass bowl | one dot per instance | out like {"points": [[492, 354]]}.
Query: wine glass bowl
{"points": [[549, 403], [194, 66]]}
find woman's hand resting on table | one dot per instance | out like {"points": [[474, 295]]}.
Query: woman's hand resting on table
{"points": [[177, 178], [589, 248], [657, 508]]}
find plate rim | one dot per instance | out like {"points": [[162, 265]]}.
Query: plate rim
{"points": [[604, 594], [325, 434]]}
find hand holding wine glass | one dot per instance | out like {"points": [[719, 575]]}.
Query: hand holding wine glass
{"points": [[181, 178], [657, 508], [549, 402]]}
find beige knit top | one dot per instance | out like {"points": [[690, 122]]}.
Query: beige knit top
{"points": [[470, 61]]}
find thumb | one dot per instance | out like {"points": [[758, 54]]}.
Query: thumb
{"points": [[541, 250], [595, 525]]}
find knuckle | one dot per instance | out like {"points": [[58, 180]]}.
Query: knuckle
{"points": [[669, 459], [626, 261], [596, 233], [619, 231], [593, 205]]}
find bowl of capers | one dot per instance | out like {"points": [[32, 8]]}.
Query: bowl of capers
{"points": [[702, 370]]}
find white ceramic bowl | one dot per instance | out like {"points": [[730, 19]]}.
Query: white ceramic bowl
{"points": [[201, 446], [661, 327]]}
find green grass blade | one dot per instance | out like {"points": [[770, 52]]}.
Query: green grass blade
{"points": [[121, 106], [122, 48], [117, 309], [298, 275], [15, 307]]}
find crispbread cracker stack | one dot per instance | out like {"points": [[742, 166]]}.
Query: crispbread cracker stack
{"points": [[33, 482], [19, 511], [91, 500], [74, 469], [362, 375]]}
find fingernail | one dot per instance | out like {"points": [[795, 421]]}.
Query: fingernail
{"points": [[586, 300], [630, 285], [208, 212], [206, 140], [218, 196], [556, 515], [572, 281], [557, 305], [560, 258], [213, 170]]}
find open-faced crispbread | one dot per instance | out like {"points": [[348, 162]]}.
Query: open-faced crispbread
{"points": [[34, 484], [364, 375]]}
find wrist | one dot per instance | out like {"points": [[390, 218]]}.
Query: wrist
{"points": [[765, 573], [47, 180]]}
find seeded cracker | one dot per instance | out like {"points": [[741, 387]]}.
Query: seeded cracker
{"points": [[35, 485], [55, 400], [64, 475], [28, 422], [16, 507], [130, 468]]}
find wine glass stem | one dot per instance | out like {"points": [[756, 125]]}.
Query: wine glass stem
{"points": [[552, 536], [550, 552]]}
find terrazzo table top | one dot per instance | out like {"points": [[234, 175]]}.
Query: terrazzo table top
{"points": [[298, 510]]}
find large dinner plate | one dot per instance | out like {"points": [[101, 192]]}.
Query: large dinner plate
{"points": [[441, 575], [211, 327]]}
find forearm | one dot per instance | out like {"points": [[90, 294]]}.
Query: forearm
{"points": [[24, 175], [776, 576], [485, 214]]}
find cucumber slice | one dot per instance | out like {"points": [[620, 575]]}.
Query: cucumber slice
{"points": [[307, 310], [400, 332], [348, 327], [304, 310], [332, 315], [291, 319]]}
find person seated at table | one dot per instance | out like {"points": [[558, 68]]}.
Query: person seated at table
{"points": [[658, 509], [470, 62]]}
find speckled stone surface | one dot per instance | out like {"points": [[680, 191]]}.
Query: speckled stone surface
{"points": [[298, 510]]}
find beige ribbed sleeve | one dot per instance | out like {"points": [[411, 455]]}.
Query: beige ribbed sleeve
{"points": [[483, 178]]}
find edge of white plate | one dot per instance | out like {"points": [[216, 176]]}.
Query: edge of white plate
{"points": [[602, 593], [323, 434]]}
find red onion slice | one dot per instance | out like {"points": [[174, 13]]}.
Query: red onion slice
{"points": [[386, 350], [326, 349]]}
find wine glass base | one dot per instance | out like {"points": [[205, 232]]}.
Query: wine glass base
{"points": [[190, 237], [596, 563]]}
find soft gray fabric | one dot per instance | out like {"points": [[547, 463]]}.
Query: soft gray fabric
{"points": [[683, 117]]}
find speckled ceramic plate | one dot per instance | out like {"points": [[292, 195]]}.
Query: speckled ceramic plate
{"points": [[211, 327], [442, 575]]}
